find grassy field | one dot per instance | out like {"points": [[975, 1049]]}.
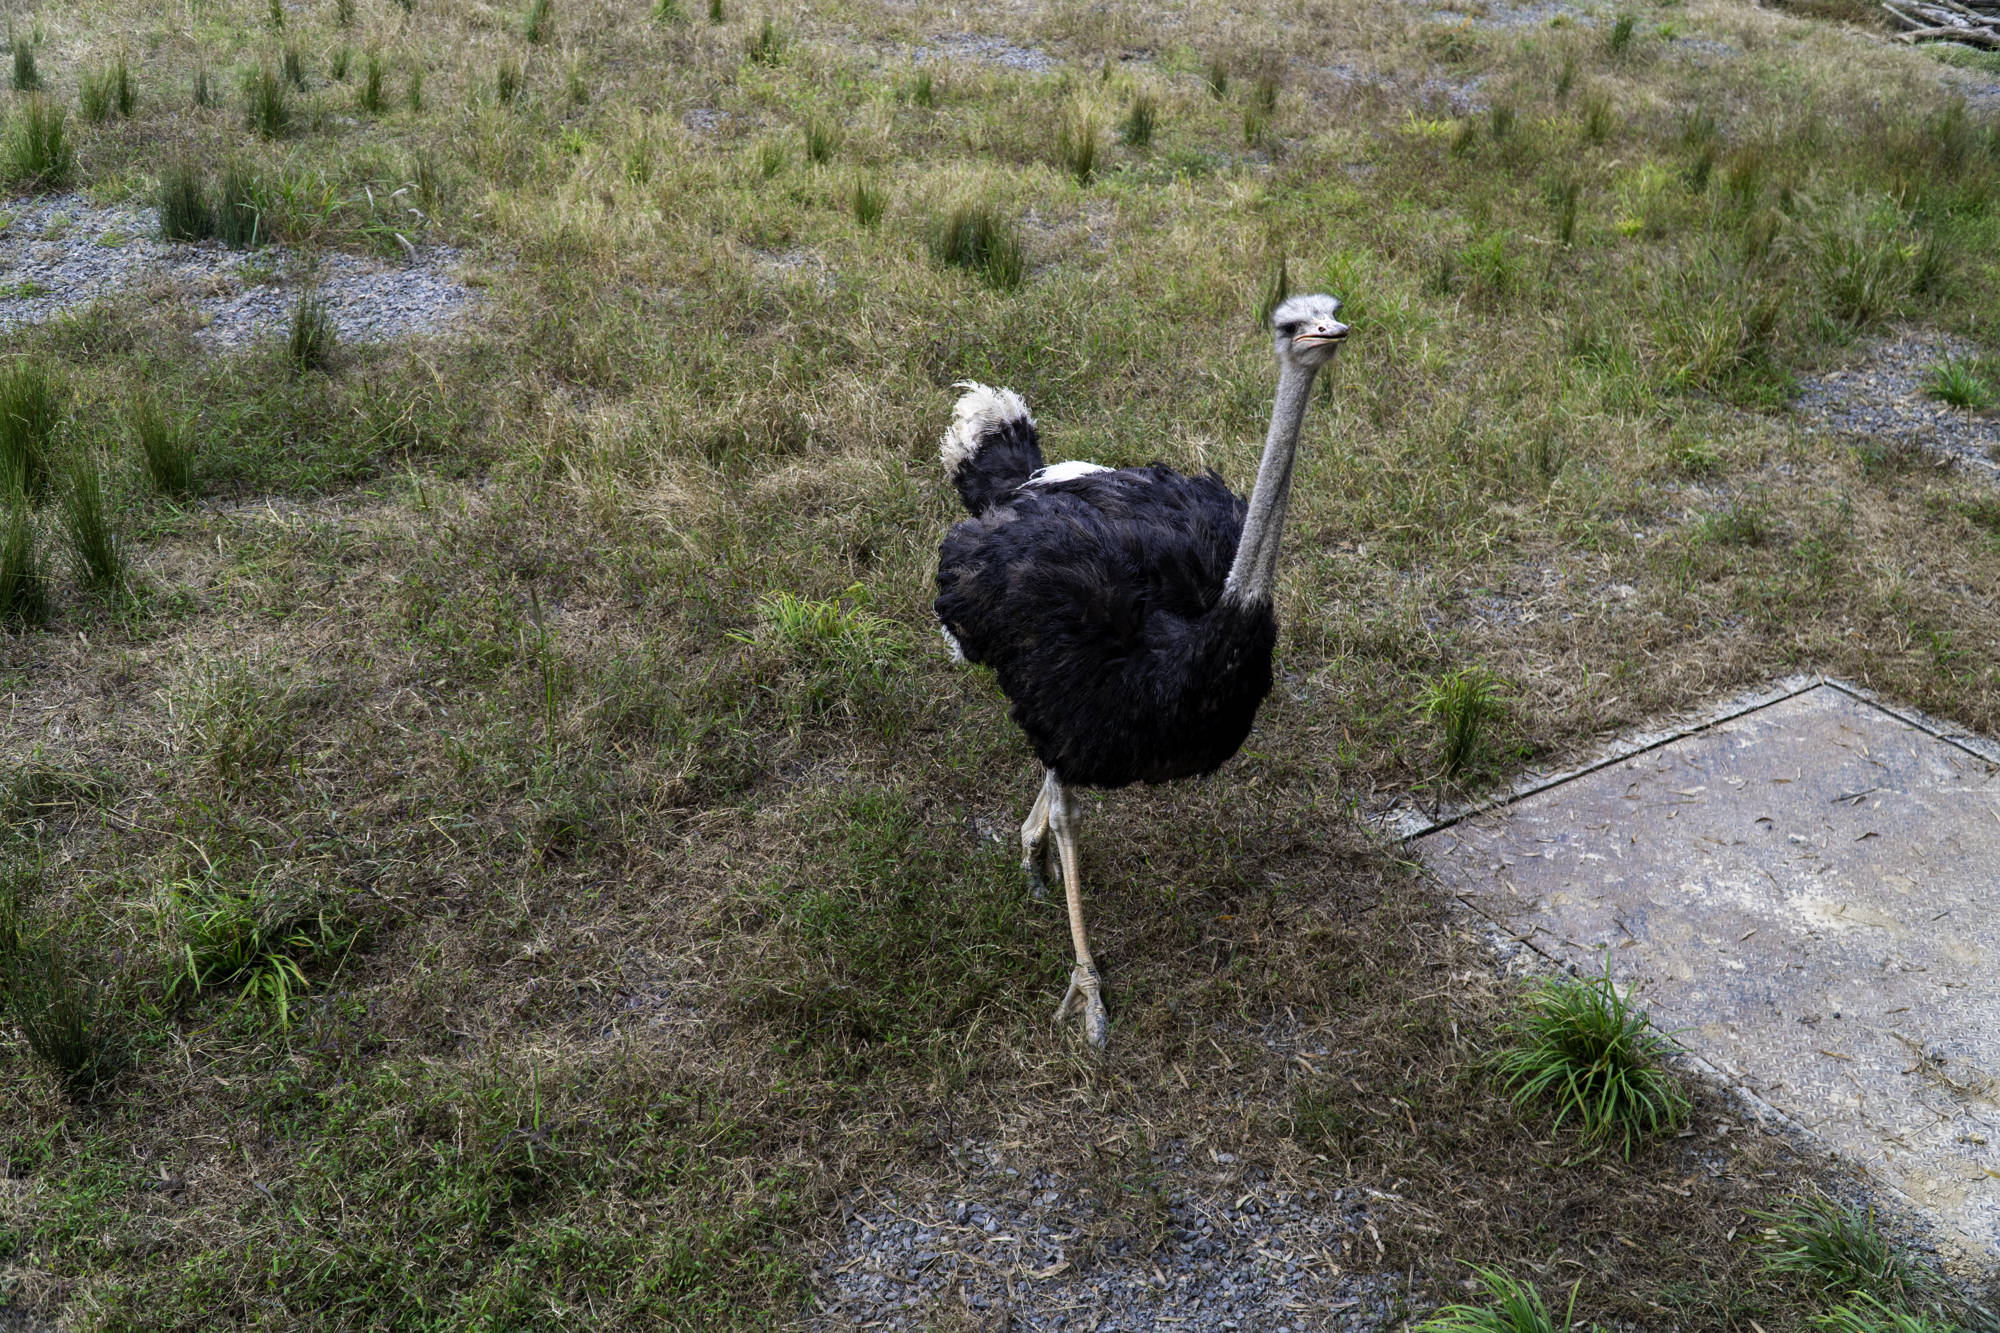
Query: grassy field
{"points": [[492, 832]]}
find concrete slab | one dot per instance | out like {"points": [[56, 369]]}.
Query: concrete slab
{"points": [[1809, 892]]}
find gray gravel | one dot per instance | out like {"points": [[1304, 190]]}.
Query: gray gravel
{"points": [[1215, 1247], [975, 49], [1882, 397], [61, 252]]}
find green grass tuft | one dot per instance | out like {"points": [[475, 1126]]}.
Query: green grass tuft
{"points": [[202, 97], [239, 208], [923, 89], [27, 77], [93, 98], [343, 14], [1582, 1044], [1077, 145], [669, 11], [166, 446], [96, 552], [1511, 1306], [293, 66], [765, 46], [185, 214], [311, 339], [506, 81], [1619, 39], [253, 941], [822, 140], [23, 596], [1463, 703], [977, 238], [1839, 1249], [1863, 1313], [715, 11], [413, 92], [40, 153], [1597, 118], [1141, 120], [1217, 78], [1961, 384], [267, 103], [535, 22], [339, 63], [66, 1011], [32, 400], [870, 201], [370, 96]]}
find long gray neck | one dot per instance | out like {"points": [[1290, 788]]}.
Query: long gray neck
{"points": [[1254, 575]]}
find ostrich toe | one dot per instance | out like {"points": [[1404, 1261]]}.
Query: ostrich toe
{"points": [[1085, 998]]}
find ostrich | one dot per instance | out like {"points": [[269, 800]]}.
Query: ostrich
{"points": [[1126, 613]]}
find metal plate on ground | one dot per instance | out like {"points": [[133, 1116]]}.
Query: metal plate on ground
{"points": [[1808, 893]]}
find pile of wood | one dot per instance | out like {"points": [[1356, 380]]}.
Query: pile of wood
{"points": [[1972, 22]]}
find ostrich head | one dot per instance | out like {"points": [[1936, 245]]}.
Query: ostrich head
{"points": [[1308, 335]]}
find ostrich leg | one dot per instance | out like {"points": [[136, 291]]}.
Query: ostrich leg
{"points": [[1036, 854], [1083, 997]]}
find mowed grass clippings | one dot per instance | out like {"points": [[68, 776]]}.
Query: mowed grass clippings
{"points": [[580, 678]]}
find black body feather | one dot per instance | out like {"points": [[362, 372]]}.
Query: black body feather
{"points": [[1098, 603]]}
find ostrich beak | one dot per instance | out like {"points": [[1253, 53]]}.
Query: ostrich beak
{"points": [[1328, 334]]}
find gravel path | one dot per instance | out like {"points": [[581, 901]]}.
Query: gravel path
{"points": [[61, 252], [1882, 397], [1213, 1247]]}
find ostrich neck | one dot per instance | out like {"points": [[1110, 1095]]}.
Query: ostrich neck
{"points": [[1254, 574]]}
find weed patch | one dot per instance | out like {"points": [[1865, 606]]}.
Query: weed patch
{"points": [[1582, 1045], [977, 238]]}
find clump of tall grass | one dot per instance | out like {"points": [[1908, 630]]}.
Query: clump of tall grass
{"points": [[506, 81], [975, 237], [1597, 121], [293, 66], [23, 598], [535, 21], [166, 446], [1463, 703], [1838, 1249], [1141, 119], [185, 213], [65, 1010], [27, 77], [1077, 145], [40, 152], [715, 11], [1866, 258], [669, 11], [1582, 1044], [343, 14], [771, 158], [93, 98], [239, 208], [202, 95], [371, 97], [267, 103], [822, 140], [1619, 39], [96, 554], [339, 62], [1961, 384], [923, 89], [1511, 1306], [253, 941], [1217, 77], [413, 92], [766, 46], [311, 339], [31, 410], [871, 200], [1563, 193]]}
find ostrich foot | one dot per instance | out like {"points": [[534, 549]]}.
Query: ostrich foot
{"points": [[1084, 998]]}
